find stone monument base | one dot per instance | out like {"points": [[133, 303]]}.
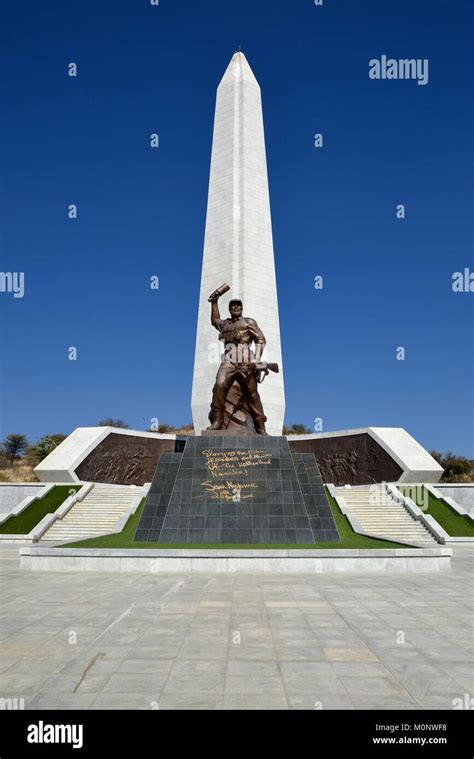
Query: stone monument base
{"points": [[236, 560], [237, 489]]}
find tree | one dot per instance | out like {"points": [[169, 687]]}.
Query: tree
{"points": [[297, 429], [45, 445], [109, 422], [186, 429], [456, 468], [165, 428], [437, 456], [14, 447]]}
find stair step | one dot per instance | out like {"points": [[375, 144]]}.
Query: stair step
{"points": [[380, 513], [97, 513]]}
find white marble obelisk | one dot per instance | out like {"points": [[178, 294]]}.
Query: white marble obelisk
{"points": [[238, 243]]}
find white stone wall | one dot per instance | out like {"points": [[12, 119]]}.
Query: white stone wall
{"points": [[462, 494], [211, 561], [11, 494], [238, 244]]}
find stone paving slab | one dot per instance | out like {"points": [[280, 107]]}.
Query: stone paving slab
{"points": [[391, 640]]}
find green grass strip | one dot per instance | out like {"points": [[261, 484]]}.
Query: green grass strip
{"points": [[456, 525], [32, 515], [124, 539]]}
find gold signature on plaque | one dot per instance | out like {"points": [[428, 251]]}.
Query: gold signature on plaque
{"points": [[229, 491], [227, 463]]}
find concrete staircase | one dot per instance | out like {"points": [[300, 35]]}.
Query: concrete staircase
{"points": [[97, 514], [382, 516]]}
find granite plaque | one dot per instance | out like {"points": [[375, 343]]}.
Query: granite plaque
{"points": [[237, 490]]}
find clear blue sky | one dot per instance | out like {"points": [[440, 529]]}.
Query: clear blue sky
{"points": [[85, 140]]}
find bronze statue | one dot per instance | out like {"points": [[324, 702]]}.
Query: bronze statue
{"points": [[239, 363]]}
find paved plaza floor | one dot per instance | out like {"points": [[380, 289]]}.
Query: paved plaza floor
{"points": [[246, 641]]}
